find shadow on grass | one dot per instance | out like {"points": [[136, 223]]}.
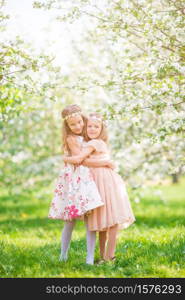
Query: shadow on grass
{"points": [[22, 203], [9, 226], [12, 207], [24, 224], [160, 221], [30, 209]]}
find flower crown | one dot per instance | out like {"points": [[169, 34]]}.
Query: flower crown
{"points": [[72, 115], [99, 119], [95, 118]]}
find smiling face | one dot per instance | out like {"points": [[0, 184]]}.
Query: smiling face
{"points": [[94, 129], [76, 124]]}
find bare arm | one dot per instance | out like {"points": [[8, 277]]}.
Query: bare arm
{"points": [[95, 163], [73, 145], [79, 156], [77, 159]]}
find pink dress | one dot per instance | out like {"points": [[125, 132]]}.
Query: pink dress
{"points": [[117, 208], [75, 192]]}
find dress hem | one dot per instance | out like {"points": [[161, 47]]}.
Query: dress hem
{"points": [[122, 225]]}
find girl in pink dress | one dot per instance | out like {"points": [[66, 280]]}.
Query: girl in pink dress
{"points": [[76, 192], [116, 212]]}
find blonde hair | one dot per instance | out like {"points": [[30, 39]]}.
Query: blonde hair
{"points": [[66, 131], [103, 134]]}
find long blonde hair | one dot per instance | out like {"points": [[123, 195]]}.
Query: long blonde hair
{"points": [[66, 131], [103, 134]]}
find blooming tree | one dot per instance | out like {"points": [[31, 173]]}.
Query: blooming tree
{"points": [[134, 52]]}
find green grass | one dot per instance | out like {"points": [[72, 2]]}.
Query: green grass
{"points": [[153, 247]]}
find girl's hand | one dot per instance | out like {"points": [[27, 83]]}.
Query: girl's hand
{"points": [[111, 165], [65, 159], [74, 160], [78, 160]]}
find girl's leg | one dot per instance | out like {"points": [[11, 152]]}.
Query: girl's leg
{"points": [[111, 245], [91, 242], [66, 238], [102, 242]]}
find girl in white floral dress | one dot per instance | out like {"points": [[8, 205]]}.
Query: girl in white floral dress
{"points": [[75, 193]]}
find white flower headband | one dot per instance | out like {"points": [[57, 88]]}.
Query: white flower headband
{"points": [[72, 115], [99, 119], [95, 118]]}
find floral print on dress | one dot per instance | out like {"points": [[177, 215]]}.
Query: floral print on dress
{"points": [[75, 193]]}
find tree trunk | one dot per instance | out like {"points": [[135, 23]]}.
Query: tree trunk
{"points": [[175, 178]]}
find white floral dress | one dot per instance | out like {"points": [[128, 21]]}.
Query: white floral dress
{"points": [[75, 193]]}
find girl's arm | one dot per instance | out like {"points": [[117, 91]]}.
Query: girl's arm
{"points": [[79, 155], [73, 145], [95, 163], [77, 159]]}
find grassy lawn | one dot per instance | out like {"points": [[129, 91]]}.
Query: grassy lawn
{"points": [[153, 247]]}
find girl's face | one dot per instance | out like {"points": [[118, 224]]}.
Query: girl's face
{"points": [[94, 129], [76, 124]]}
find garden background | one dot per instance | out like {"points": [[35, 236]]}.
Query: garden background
{"points": [[125, 59]]}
